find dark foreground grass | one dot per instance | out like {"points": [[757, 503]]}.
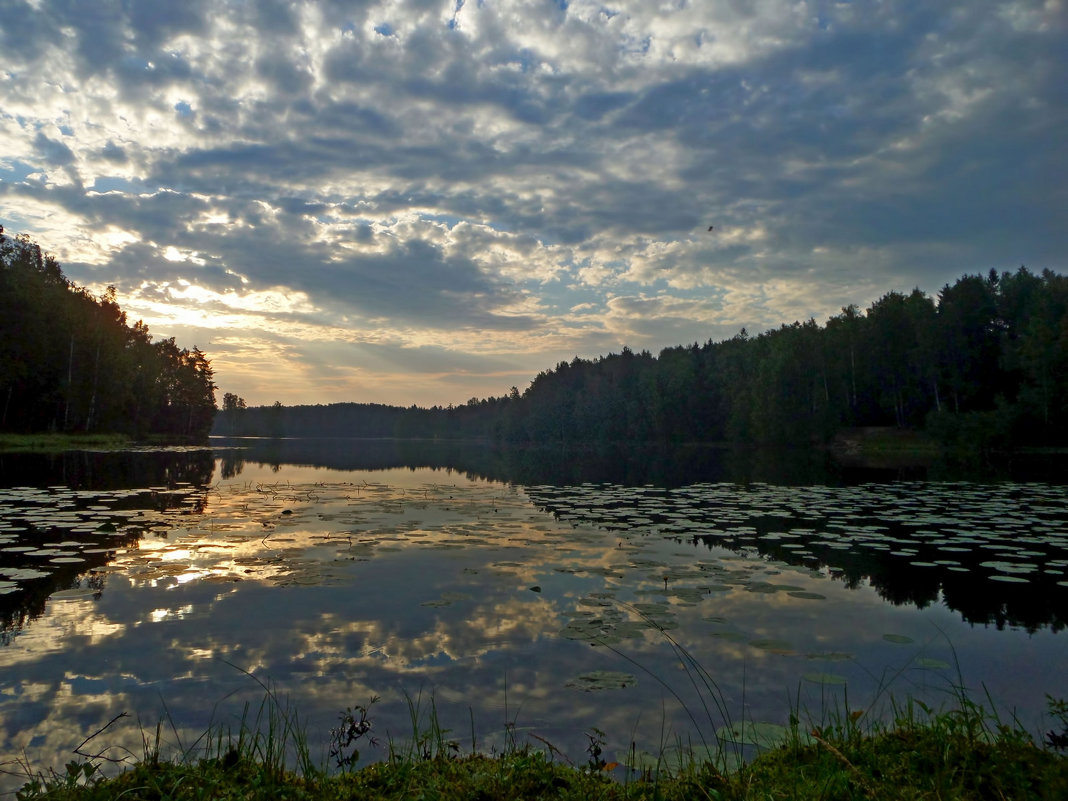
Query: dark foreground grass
{"points": [[894, 766], [962, 753]]}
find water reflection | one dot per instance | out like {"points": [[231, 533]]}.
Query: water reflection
{"points": [[107, 470], [626, 464], [61, 516], [998, 554], [500, 597]]}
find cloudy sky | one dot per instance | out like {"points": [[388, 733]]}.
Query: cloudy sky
{"points": [[421, 201]]}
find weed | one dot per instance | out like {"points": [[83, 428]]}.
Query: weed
{"points": [[1058, 707], [429, 738], [595, 748], [345, 737]]}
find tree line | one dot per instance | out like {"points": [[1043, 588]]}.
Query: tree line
{"points": [[985, 362], [69, 362]]}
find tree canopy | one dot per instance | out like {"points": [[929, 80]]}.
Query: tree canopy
{"points": [[70, 362], [986, 360]]}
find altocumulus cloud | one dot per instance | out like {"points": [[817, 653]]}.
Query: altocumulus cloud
{"points": [[412, 201]]}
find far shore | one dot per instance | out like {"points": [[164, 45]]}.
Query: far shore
{"points": [[54, 442]]}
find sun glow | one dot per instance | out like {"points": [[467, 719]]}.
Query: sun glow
{"points": [[184, 303]]}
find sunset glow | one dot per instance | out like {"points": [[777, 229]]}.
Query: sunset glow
{"points": [[408, 203]]}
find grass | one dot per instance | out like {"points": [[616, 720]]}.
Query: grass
{"points": [[47, 442], [961, 752], [52, 442], [887, 443]]}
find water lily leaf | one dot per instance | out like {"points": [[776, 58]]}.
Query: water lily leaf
{"points": [[899, 639], [580, 630], [932, 664], [832, 656], [601, 680], [808, 596], [23, 573], [715, 588], [825, 678], [729, 636], [762, 586], [71, 595]]}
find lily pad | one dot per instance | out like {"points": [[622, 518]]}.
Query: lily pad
{"points": [[832, 656], [72, 595], [932, 664], [899, 639], [729, 636], [602, 680], [825, 678]]}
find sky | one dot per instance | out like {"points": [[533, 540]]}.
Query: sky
{"points": [[424, 201]]}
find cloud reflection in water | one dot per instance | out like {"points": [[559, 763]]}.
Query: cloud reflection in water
{"points": [[396, 583]]}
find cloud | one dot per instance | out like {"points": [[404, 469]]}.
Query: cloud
{"points": [[434, 169], [52, 151]]}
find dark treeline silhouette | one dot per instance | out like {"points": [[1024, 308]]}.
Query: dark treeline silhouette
{"points": [[984, 363], [70, 363]]}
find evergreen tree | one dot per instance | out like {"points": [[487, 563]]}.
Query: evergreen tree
{"points": [[70, 362]]}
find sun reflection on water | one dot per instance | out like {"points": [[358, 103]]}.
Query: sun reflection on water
{"points": [[496, 599]]}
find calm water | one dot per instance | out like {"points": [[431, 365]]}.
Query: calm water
{"points": [[531, 593]]}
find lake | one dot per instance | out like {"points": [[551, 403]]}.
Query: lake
{"points": [[527, 596]]}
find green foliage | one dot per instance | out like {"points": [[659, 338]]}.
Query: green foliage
{"points": [[70, 363], [1058, 707], [958, 754], [985, 367], [354, 724]]}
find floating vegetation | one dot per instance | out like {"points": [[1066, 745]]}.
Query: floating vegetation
{"points": [[773, 646], [825, 678], [598, 680], [450, 577], [899, 639], [928, 663], [832, 656]]}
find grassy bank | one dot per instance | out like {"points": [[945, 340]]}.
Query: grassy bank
{"points": [[876, 444], [57, 443], [965, 752], [46, 442]]}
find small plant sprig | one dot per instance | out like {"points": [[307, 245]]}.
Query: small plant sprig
{"points": [[1058, 707], [596, 749], [78, 774], [345, 737]]}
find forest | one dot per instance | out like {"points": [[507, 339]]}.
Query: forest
{"points": [[70, 363], [984, 364]]}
